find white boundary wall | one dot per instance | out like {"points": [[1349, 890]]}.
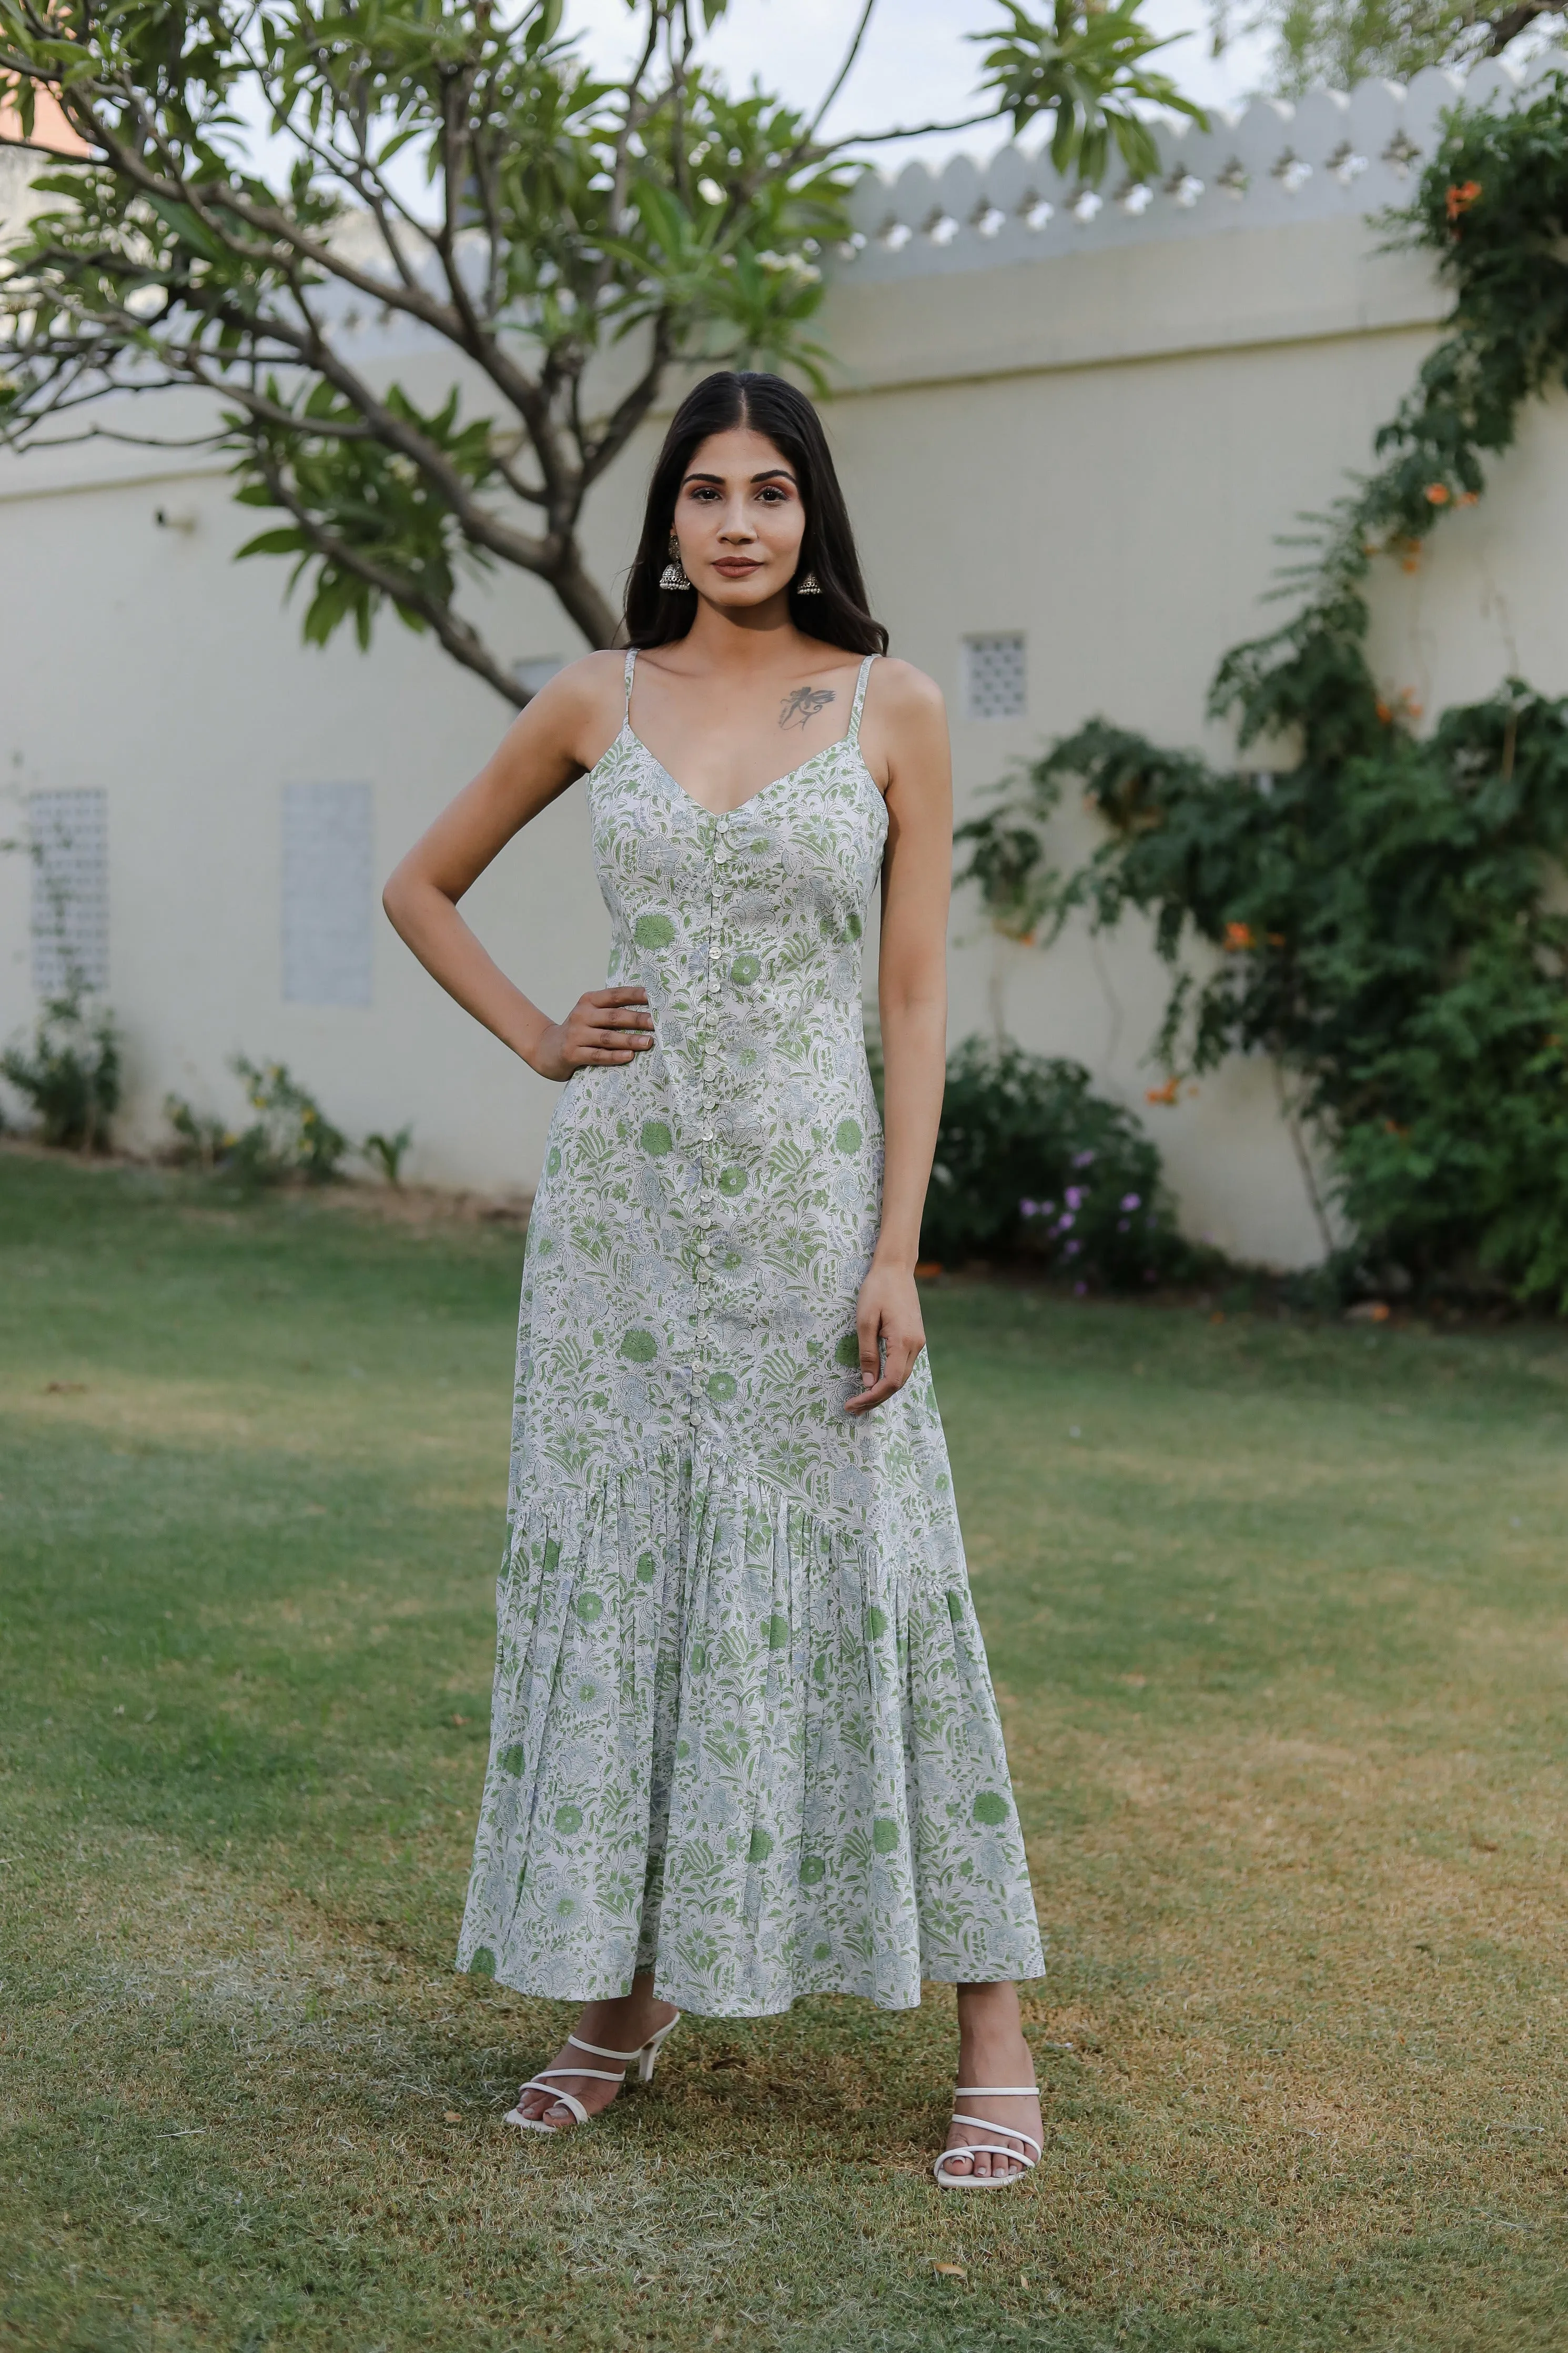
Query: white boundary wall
{"points": [[1086, 431]]}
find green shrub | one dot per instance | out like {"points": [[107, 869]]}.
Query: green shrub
{"points": [[72, 1074], [292, 1138], [1380, 912], [1029, 1159], [386, 1152]]}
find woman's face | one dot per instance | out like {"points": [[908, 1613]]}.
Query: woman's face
{"points": [[739, 520]]}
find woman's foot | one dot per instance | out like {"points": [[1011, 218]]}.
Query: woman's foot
{"points": [[622, 2025], [992, 2050]]}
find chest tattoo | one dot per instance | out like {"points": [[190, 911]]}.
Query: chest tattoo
{"points": [[804, 703]]}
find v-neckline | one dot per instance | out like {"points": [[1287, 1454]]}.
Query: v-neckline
{"points": [[840, 745]]}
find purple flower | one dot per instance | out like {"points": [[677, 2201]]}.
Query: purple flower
{"points": [[1028, 1209], [1064, 1220], [1072, 1250], [1131, 1201], [1083, 1160], [1073, 1196], [1079, 1290], [1122, 1226]]}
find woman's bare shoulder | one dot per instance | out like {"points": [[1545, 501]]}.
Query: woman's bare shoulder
{"points": [[905, 694], [579, 711], [905, 718]]}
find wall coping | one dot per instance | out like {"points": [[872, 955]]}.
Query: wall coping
{"points": [[1331, 154]]}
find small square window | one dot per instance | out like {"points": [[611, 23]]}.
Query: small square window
{"points": [[994, 677], [69, 842]]}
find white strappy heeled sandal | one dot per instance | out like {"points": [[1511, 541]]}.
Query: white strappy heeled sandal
{"points": [[988, 2148], [645, 2060]]}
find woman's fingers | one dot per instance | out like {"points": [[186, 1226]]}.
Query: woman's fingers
{"points": [[609, 1025], [614, 1005], [899, 1363]]}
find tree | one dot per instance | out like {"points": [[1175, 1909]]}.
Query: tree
{"points": [[568, 238], [1342, 42]]}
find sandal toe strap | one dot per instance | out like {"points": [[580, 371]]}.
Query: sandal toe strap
{"points": [[538, 2083], [982, 2148], [989, 2124]]}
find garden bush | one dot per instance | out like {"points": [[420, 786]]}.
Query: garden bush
{"points": [[71, 1074], [1030, 1161], [293, 1138], [1381, 914]]}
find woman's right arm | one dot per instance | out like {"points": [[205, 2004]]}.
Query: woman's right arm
{"points": [[552, 740]]}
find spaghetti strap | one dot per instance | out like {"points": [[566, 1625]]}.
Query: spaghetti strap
{"points": [[853, 737], [631, 665]]}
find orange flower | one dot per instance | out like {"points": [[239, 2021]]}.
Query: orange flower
{"points": [[1239, 936], [1438, 494], [1468, 498], [1411, 563], [1276, 939], [1384, 714], [1460, 199], [1166, 1095]]}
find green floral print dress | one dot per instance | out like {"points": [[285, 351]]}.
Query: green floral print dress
{"points": [[743, 1731]]}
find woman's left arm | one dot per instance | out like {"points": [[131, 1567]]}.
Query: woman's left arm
{"points": [[911, 738]]}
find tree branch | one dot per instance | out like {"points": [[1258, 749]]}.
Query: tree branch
{"points": [[842, 76], [917, 129], [460, 639], [1514, 21]]}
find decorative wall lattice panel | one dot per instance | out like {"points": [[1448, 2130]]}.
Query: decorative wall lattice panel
{"points": [[328, 860], [68, 834], [994, 683]]}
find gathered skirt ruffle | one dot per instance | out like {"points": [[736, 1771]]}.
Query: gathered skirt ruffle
{"points": [[741, 1749]]}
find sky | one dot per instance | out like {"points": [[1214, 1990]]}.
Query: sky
{"points": [[916, 66]]}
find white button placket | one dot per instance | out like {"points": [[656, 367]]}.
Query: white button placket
{"points": [[719, 852]]}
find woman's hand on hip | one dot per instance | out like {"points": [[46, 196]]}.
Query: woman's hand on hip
{"points": [[891, 1332], [607, 1025]]}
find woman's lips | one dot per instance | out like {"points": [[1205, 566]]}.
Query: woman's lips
{"points": [[736, 567]]}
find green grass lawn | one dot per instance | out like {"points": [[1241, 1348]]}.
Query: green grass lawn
{"points": [[1279, 1624]]}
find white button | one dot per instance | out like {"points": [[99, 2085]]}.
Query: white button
{"points": [[721, 855]]}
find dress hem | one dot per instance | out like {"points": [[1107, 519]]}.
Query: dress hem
{"points": [[691, 2009]]}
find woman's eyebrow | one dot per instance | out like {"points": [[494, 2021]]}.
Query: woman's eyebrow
{"points": [[768, 474]]}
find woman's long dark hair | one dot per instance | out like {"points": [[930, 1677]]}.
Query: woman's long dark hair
{"points": [[773, 408]]}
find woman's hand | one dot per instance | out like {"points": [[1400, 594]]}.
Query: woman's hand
{"points": [[892, 1334], [608, 1025]]}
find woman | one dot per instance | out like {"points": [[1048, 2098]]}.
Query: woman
{"points": [[744, 1745]]}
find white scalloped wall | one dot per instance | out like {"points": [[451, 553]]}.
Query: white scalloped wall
{"points": [[1330, 155]]}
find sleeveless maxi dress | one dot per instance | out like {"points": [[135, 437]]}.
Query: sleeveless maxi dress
{"points": [[743, 1732]]}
